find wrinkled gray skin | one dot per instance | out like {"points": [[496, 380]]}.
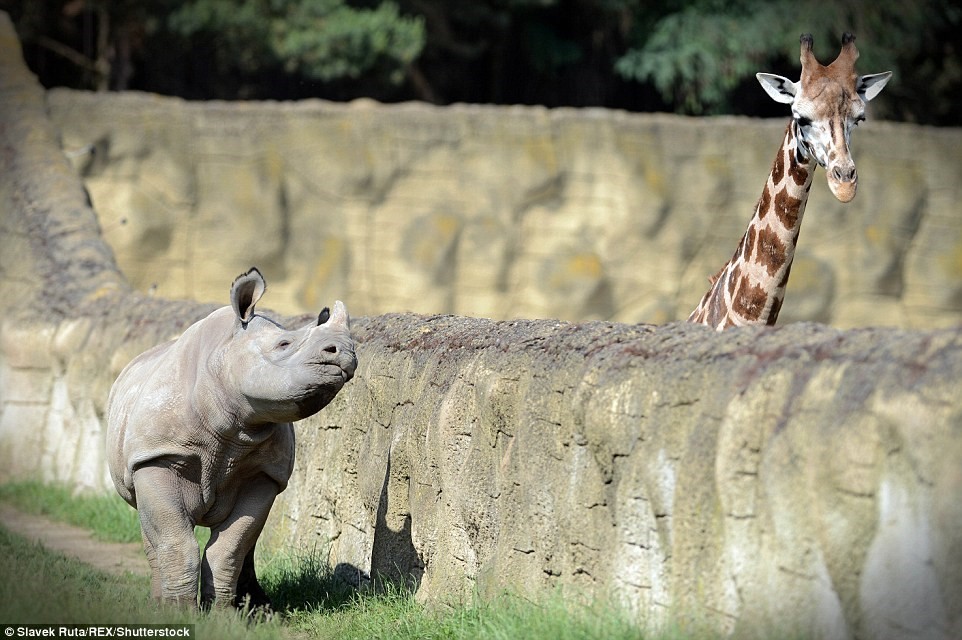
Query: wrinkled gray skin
{"points": [[199, 433]]}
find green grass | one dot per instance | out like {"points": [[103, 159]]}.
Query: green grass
{"points": [[395, 615], [317, 605], [39, 586], [108, 517]]}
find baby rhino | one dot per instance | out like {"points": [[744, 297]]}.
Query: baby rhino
{"points": [[199, 433]]}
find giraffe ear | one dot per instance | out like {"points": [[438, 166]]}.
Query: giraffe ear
{"points": [[870, 86], [780, 88]]}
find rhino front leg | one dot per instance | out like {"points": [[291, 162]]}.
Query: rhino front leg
{"points": [[168, 535], [156, 592], [229, 553]]}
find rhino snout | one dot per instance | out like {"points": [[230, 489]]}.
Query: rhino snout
{"points": [[348, 362], [337, 353], [340, 348]]}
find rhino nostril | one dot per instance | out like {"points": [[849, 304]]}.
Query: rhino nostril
{"points": [[331, 349]]}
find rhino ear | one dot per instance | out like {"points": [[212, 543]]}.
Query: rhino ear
{"points": [[245, 292]]}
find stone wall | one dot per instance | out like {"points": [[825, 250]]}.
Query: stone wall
{"points": [[798, 480], [803, 479], [504, 212]]}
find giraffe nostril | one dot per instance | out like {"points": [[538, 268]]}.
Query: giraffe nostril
{"points": [[844, 175]]}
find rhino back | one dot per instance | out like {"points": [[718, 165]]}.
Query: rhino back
{"points": [[145, 415]]}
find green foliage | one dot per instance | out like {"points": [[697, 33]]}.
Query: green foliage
{"points": [[688, 56], [693, 59], [697, 55], [548, 50], [322, 39]]}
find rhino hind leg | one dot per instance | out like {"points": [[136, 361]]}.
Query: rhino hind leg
{"points": [[250, 594], [227, 569]]}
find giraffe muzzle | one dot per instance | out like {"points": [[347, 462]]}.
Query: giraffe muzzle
{"points": [[843, 182]]}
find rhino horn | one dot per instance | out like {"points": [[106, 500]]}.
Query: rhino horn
{"points": [[339, 315]]}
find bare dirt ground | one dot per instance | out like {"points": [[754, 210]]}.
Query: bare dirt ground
{"points": [[111, 557]]}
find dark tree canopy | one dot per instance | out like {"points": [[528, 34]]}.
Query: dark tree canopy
{"points": [[686, 56]]}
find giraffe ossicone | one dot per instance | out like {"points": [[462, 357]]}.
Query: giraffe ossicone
{"points": [[827, 102]]}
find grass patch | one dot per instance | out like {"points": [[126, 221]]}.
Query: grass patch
{"points": [[303, 584], [317, 604], [394, 614], [37, 586], [107, 516], [312, 602]]}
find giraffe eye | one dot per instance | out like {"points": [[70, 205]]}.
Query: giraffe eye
{"points": [[803, 121]]}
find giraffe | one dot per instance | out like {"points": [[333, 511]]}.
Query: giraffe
{"points": [[826, 103]]}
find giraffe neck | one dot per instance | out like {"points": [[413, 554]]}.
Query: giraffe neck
{"points": [[749, 289]]}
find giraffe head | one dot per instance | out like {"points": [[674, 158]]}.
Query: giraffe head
{"points": [[826, 103]]}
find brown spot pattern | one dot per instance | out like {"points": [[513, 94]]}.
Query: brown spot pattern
{"points": [[750, 302], [749, 240], [739, 249], [773, 314], [784, 282], [778, 171], [771, 251], [764, 202], [786, 208], [733, 277], [798, 173]]}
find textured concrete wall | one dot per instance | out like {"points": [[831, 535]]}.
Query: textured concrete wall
{"points": [[803, 479], [505, 212]]}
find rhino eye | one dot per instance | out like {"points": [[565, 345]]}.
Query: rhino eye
{"points": [[283, 344]]}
